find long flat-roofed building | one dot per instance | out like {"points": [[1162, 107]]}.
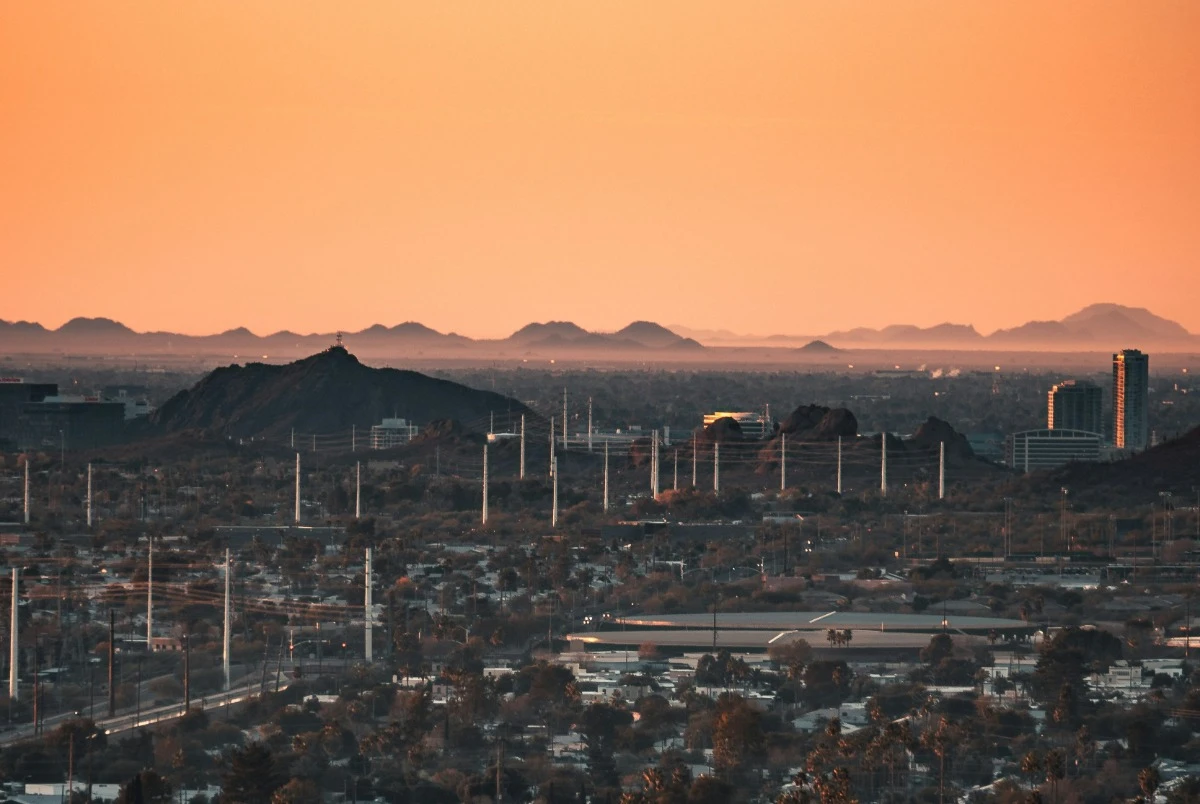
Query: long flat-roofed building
{"points": [[1032, 450]]}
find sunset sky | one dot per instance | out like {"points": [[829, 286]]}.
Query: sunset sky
{"points": [[795, 166]]}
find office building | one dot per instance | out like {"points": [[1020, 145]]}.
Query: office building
{"points": [[753, 425], [1032, 450], [1075, 405], [392, 433], [15, 394], [1131, 400], [71, 423]]}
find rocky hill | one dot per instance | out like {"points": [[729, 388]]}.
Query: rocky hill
{"points": [[326, 393]]}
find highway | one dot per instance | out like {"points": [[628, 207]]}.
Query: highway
{"points": [[147, 717]]}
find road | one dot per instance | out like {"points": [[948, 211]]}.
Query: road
{"points": [[147, 717]]}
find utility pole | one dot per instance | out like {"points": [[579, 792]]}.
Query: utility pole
{"points": [[883, 464], [839, 467], [589, 424], [297, 488], [149, 593], [695, 453], [293, 441], [353, 438], [717, 467], [676, 486], [605, 476], [654, 465], [112, 658], [228, 617], [187, 674], [941, 470], [368, 607], [782, 461], [14, 655], [521, 471], [27, 488], [358, 489], [89, 499], [554, 497], [564, 426], [551, 446], [484, 513]]}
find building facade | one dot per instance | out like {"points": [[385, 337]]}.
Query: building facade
{"points": [[1032, 450], [1131, 400], [1075, 405], [753, 425], [392, 433]]}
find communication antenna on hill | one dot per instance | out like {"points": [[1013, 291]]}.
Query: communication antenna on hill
{"points": [[338, 341]]}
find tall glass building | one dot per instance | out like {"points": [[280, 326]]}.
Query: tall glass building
{"points": [[1131, 400]]}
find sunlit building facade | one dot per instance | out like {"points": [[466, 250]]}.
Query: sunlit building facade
{"points": [[1131, 400]]}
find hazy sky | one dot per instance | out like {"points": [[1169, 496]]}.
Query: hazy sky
{"points": [[792, 166]]}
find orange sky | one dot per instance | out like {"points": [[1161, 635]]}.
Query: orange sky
{"points": [[793, 166]]}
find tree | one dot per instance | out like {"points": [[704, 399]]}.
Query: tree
{"points": [[737, 734], [940, 647], [599, 725], [250, 777], [1031, 763], [146, 788], [297, 791]]}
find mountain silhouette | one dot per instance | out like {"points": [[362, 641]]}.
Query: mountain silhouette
{"points": [[325, 393]]}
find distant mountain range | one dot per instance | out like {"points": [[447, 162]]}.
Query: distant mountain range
{"points": [[1099, 327]]}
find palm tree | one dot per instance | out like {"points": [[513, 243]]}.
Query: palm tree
{"points": [[1148, 781], [1054, 765], [1031, 763]]}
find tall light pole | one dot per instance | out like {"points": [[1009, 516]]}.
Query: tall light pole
{"points": [[1062, 522]]}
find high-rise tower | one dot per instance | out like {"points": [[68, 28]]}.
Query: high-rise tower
{"points": [[1075, 405], [1131, 400]]}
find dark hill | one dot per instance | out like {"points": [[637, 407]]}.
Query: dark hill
{"points": [[325, 393], [1173, 466], [934, 431], [819, 423], [818, 346]]}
